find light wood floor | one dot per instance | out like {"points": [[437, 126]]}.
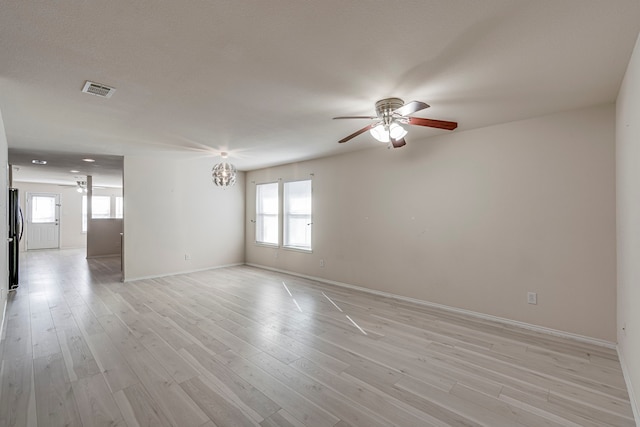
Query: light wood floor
{"points": [[244, 347]]}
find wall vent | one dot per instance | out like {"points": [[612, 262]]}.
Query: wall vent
{"points": [[98, 89]]}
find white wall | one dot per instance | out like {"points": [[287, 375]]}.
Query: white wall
{"points": [[4, 261], [628, 222], [471, 220], [71, 235], [172, 208]]}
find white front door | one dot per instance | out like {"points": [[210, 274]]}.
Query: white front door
{"points": [[43, 225]]}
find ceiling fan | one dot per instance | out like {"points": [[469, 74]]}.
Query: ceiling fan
{"points": [[392, 113]]}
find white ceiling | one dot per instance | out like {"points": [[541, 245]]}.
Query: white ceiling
{"points": [[65, 168], [263, 79]]}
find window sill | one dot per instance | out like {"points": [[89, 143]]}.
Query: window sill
{"points": [[267, 245], [295, 249]]}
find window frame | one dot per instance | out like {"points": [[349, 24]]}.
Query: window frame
{"points": [[34, 206], [84, 214], [118, 214], [286, 215], [259, 215]]}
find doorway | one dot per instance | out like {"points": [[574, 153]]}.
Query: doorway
{"points": [[43, 221]]}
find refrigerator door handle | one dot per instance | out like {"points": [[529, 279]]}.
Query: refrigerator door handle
{"points": [[21, 224]]}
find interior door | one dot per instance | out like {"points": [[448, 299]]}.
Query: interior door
{"points": [[43, 225]]}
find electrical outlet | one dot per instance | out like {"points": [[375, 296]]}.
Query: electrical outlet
{"points": [[321, 263], [532, 298], [187, 257]]}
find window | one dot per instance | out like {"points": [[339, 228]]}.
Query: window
{"points": [[119, 207], [295, 199], [267, 213], [84, 214], [43, 209], [297, 214], [101, 209]]}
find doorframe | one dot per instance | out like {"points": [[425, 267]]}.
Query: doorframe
{"points": [[27, 206]]}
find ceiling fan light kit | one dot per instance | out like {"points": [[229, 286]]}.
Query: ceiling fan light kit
{"points": [[380, 133], [385, 133], [81, 186], [396, 131], [392, 113]]}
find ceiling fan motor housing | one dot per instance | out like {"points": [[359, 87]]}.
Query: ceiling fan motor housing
{"points": [[386, 107]]}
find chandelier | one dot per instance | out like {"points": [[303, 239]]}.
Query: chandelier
{"points": [[224, 174]]}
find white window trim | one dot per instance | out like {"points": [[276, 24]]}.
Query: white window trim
{"points": [[310, 218], [281, 220], [112, 210], [278, 216], [297, 249]]}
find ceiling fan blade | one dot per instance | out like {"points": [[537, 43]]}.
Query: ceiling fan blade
{"points": [[440, 124], [410, 108], [359, 132], [397, 143], [355, 117]]}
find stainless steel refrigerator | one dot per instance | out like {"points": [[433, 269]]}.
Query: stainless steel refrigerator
{"points": [[16, 227]]}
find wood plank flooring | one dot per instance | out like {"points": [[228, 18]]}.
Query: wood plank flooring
{"points": [[245, 347]]}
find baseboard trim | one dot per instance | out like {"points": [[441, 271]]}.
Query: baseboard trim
{"points": [[627, 380], [157, 276], [103, 256], [531, 327]]}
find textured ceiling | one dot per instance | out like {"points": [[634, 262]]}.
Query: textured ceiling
{"points": [[262, 79]]}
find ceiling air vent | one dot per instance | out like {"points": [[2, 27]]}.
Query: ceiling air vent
{"points": [[98, 89]]}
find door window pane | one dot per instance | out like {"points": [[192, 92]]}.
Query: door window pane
{"points": [[43, 209]]}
